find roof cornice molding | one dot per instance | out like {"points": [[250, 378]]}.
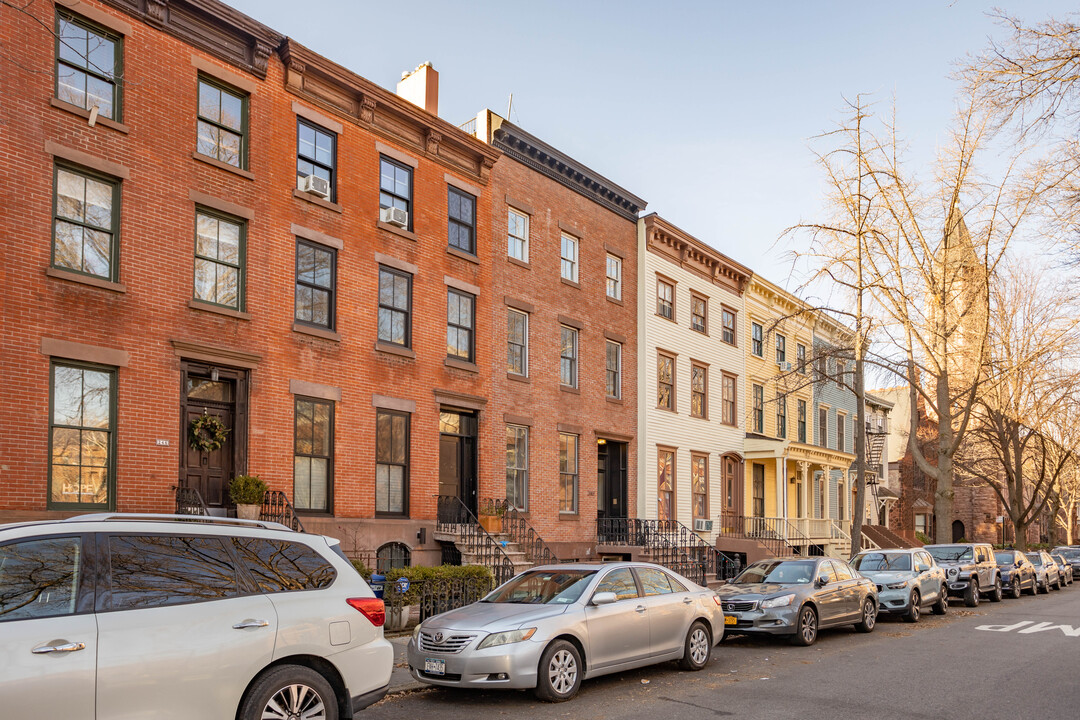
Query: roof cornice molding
{"points": [[690, 253]]}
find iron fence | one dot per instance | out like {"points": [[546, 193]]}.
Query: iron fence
{"points": [[189, 502], [518, 531], [277, 508], [432, 597]]}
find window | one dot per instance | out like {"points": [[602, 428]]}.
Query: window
{"points": [[391, 462], [727, 319], [161, 570], [517, 342], [280, 566], [316, 154], [86, 223], [459, 324], [800, 358], [569, 266], [313, 454], [315, 275], [219, 260], [699, 314], [568, 473], [699, 391], [614, 369], [822, 367], [781, 349], [222, 123], [392, 556], [517, 466], [823, 427], [621, 582], [461, 213], [757, 491], [802, 420], [395, 307], [665, 382], [699, 486], [653, 582], [88, 62], [729, 400], [841, 368], [840, 501], [759, 409], [841, 440], [82, 437], [568, 354], [395, 186], [781, 416], [665, 300], [614, 277], [757, 340], [920, 523], [40, 577], [517, 235], [665, 485]]}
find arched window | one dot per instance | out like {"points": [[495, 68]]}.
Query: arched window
{"points": [[391, 556]]}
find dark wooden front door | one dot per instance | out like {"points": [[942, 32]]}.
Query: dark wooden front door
{"points": [[732, 485], [611, 479], [457, 457], [220, 393], [759, 490]]}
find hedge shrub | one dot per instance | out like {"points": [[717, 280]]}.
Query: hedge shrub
{"points": [[418, 574]]}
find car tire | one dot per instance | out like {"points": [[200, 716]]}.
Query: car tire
{"points": [[995, 594], [297, 690], [558, 676], [698, 647], [1057, 584], [912, 615], [1045, 587], [806, 629], [942, 605], [1034, 585], [869, 616], [971, 595], [1015, 590]]}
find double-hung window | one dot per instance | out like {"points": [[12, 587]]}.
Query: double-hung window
{"points": [[614, 277], [665, 484], [316, 154], [460, 316], [568, 356], [614, 369], [727, 320], [395, 307], [517, 342], [800, 358], [757, 340], [315, 282], [219, 260], [461, 214], [517, 235], [781, 416], [823, 427], [82, 436], [665, 299], [699, 388], [729, 400], [781, 349], [222, 123], [568, 267], [759, 409], [391, 462], [699, 486], [517, 466], [313, 454], [841, 427], [395, 187], [802, 421], [88, 65], [86, 223], [665, 382], [568, 473], [699, 313]]}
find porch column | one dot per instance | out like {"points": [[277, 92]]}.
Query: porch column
{"points": [[826, 483], [804, 488], [781, 490]]}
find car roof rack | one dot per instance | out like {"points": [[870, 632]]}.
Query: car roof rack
{"points": [[153, 517]]}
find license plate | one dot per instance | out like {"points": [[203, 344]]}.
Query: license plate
{"points": [[730, 620], [434, 666]]}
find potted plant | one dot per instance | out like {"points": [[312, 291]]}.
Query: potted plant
{"points": [[491, 515], [247, 492]]}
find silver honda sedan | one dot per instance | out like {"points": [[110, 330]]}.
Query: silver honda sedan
{"points": [[553, 626]]}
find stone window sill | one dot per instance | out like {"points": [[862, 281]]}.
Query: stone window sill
{"points": [[570, 389], [459, 364], [223, 165], [318, 332], [316, 200], [571, 283], [218, 310], [613, 300], [85, 114], [518, 378], [569, 516], [408, 234], [614, 400], [463, 255], [519, 263], [86, 280], [391, 349]]}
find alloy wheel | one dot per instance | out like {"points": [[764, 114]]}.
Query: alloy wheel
{"points": [[699, 645], [295, 702], [808, 625], [562, 672], [869, 614], [1016, 587]]}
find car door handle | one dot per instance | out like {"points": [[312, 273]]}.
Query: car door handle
{"points": [[65, 648], [639, 609], [244, 625], [687, 601]]}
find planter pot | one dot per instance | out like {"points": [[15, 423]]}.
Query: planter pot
{"points": [[491, 523], [397, 618], [248, 512]]}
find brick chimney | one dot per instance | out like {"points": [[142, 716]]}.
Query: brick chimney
{"points": [[421, 87]]}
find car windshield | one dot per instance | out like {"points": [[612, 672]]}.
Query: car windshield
{"points": [[1003, 558], [543, 587], [1035, 558], [877, 561], [951, 553], [789, 572], [1068, 553]]}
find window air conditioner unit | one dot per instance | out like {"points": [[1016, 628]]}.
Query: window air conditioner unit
{"points": [[703, 526], [394, 216], [785, 366], [316, 186]]}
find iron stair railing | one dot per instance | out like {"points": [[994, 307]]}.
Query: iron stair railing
{"points": [[277, 508], [520, 532], [671, 544], [189, 501], [768, 531], [454, 518]]}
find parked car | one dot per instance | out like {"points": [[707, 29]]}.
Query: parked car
{"points": [[1071, 553], [1046, 570], [1017, 572], [907, 580], [798, 597], [970, 569], [1065, 568], [553, 626], [114, 615]]}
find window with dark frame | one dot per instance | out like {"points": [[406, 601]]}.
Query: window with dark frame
{"points": [[614, 369], [729, 400], [800, 358], [841, 429], [699, 391], [461, 218], [781, 349], [315, 284], [822, 367], [841, 368], [392, 556], [699, 486], [395, 186], [699, 313], [460, 318], [665, 382], [823, 427], [517, 466], [82, 436], [568, 473], [759, 409], [757, 340], [727, 320], [568, 356], [313, 454], [517, 342], [89, 65], [391, 462], [316, 154], [781, 416], [802, 420], [665, 299], [395, 307], [86, 223], [219, 260], [221, 126]]}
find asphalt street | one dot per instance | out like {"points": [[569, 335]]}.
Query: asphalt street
{"points": [[1015, 659]]}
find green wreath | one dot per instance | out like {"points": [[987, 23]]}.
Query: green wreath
{"points": [[207, 433]]}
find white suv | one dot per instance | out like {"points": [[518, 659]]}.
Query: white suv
{"points": [[134, 616]]}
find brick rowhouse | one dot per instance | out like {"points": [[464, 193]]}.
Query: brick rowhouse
{"points": [[114, 338]]}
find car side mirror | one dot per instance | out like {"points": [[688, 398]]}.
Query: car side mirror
{"points": [[603, 598], [822, 580]]}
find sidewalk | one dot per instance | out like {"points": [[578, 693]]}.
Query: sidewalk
{"points": [[401, 680]]}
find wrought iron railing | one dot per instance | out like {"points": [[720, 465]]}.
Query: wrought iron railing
{"points": [[519, 532], [453, 517], [671, 544], [189, 502], [435, 596], [277, 508]]}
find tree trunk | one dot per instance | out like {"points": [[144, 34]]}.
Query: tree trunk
{"points": [[859, 511], [943, 496]]}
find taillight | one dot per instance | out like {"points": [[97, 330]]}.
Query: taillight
{"points": [[373, 608]]}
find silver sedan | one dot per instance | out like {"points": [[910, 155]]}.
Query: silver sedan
{"points": [[553, 626]]}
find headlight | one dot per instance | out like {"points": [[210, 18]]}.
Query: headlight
{"points": [[416, 633], [504, 638], [897, 586], [782, 601], [953, 571]]}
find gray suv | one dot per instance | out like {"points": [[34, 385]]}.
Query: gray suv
{"points": [[970, 569]]}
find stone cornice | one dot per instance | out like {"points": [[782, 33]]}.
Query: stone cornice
{"points": [[691, 254], [337, 89], [543, 158]]}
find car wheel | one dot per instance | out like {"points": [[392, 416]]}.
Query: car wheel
{"points": [[1044, 588], [1015, 591], [869, 616], [290, 691], [806, 629], [559, 675], [995, 594], [912, 615], [971, 595], [942, 605], [1057, 584], [698, 647], [1034, 585]]}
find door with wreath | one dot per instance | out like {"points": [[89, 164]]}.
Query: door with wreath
{"points": [[210, 437]]}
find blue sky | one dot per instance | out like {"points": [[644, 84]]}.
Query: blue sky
{"points": [[704, 109]]}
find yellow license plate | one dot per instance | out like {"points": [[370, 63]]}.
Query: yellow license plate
{"points": [[730, 620]]}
